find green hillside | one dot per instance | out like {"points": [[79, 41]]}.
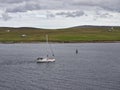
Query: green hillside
{"points": [[76, 34]]}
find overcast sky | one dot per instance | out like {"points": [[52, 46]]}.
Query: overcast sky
{"points": [[59, 13]]}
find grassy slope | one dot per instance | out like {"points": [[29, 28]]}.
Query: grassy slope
{"points": [[89, 34]]}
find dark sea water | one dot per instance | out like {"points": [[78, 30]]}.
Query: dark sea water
{"points": [[95, 67]]}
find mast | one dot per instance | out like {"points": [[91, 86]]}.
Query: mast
{"points": [[49, 45]]}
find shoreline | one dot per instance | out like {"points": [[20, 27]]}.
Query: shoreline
{"points": [[60, 42]]}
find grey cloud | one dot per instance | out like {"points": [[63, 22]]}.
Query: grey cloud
{"points": [[50, 15], [71, 14], [5, 16], [13, 1], [103, 15], [26, 5], [112, 5]]}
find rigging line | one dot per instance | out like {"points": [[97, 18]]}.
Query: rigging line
{"points": [[51, 50], [49, 45]]}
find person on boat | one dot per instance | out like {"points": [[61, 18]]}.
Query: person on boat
{"points": [[53, 55], [39, 58]]}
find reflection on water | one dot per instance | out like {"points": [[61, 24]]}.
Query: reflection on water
{"points": [[96, 66]]}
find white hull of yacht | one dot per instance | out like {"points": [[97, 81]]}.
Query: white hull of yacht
{"points": [[45, 60]]}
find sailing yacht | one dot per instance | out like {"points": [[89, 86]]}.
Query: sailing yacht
{"points": [[46, 59]]}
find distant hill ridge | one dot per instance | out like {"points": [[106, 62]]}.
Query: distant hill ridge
{"points": [[93, 26], [83, 26]]}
